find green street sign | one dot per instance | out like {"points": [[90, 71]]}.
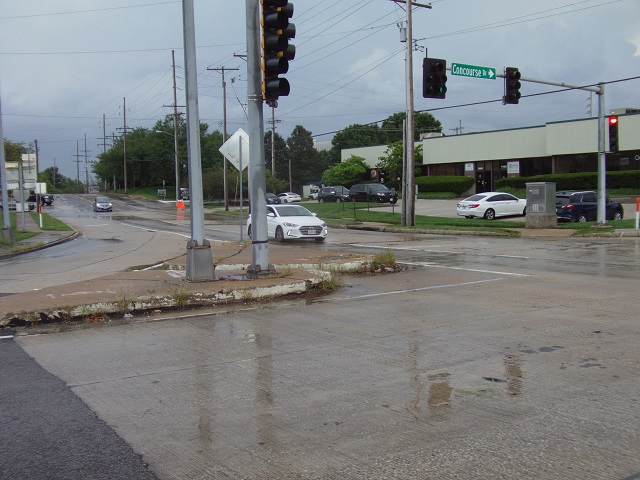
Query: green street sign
{"points": [[475, 71]]}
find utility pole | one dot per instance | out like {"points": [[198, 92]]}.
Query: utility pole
{"points": [[176, 115], [458, 129], [199, 257], [273, 143], [77, 155], [35, 142], [124, 110], [224, 133], [86, 166], [408, 173]]}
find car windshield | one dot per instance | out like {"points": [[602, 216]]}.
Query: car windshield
{"points": [[376, 187], [294, 211], [102, 200]]}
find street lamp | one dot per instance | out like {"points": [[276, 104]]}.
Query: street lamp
{"points": [[175, 156]]}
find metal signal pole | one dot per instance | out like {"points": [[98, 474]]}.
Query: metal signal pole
{"points": [[257, 169], [199, 257]]}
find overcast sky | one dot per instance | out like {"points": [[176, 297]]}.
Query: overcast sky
{"points": [[65, 64]]}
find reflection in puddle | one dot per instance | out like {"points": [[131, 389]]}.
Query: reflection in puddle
{"points": [[439, 390], [513, 372]]}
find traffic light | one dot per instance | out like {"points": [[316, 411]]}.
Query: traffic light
{"points": [[434, 78], [613, 133], [276, 51], [511, 85]]}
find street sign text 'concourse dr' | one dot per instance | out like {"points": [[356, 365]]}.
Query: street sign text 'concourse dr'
{"points": [[462, 70]]}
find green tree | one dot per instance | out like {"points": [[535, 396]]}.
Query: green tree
{"points": [[13, 150], [281, 153], [56, 182], [391, 163], [392, 128], [306, 165], [346, 173]]}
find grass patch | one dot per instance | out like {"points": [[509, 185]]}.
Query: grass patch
{"points": [[386, 259], [50, 223], [589, 228]]}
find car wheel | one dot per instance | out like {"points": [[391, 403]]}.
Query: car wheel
{"points": [[319, 200], [249, 231], [279, 234], [490, 214], [524, 212], [394, 201], [582, 218], [617, 215], [319, 239], [286, 201]]}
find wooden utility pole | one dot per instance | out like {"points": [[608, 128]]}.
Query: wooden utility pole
{"points": [[224, 132]]}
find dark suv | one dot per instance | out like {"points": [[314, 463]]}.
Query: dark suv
{"points": [[372, 192], [337, 193], [582, 206], [45, 198]]}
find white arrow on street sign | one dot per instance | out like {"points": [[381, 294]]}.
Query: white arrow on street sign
{"points": [[231, 149], [474, 71]]}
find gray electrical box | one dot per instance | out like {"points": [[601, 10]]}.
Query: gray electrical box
{"points": [[541, 205]]}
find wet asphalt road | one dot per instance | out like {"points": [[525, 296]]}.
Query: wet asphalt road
{"points": [[484, 358]]}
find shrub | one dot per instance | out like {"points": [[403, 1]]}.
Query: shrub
{"points": [[455, 184], [575, 181]]}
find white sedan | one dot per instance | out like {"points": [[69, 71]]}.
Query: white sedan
{"points": [[289, 197], [490, 205], [287, 222]]}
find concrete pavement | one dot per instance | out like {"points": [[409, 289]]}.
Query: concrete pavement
{"points": [[163, 287]]}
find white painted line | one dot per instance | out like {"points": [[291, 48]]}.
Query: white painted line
{"points": [[405, 249], [411, 290], [433, 265], [6, 336]]}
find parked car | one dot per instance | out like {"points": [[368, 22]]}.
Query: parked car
{"points": [[289, 197], [372, 192], [490, 205], [582, 206], [336, 193], [45, 198], [13, 208], [102, 204], [287, 222], [271, 198]]}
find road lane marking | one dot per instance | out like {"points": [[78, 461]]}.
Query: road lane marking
{"points": [[435, 265], [409, 290]]}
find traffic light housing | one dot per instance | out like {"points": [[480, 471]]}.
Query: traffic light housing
{"points": [[434, 78], [511, 85], [613, 133], [276, 51]]}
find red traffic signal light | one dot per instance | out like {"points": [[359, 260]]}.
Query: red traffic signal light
{"points": [[613, 133]]}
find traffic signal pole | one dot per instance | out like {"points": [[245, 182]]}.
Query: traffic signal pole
{"points": [[257, 169], [199, 257], [602, 159]]}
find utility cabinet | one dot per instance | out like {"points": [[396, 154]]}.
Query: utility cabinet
{"points": [[541, 205]]}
